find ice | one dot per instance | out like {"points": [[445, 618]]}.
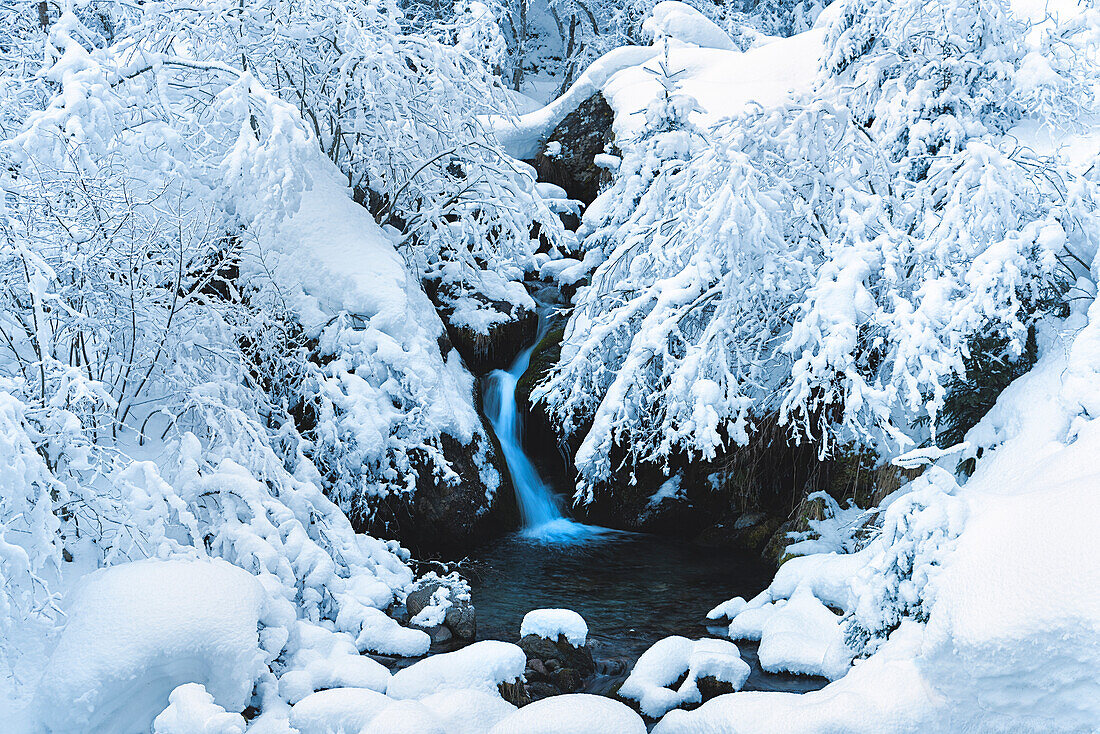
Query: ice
{"points": [[337, 710], [482, 666], [552, 623], [572, 713], [138, 631], [804, 637], [191, 710]]}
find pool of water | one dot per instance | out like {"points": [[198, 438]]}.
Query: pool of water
{"points": [[631, 589]]}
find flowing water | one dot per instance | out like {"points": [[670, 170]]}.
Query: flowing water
{"points": [[632, 589]]}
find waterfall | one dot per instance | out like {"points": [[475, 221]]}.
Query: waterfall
{"points": [[540, 512]]}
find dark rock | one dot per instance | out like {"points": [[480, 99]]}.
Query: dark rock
{"points": [[539, 690], [583, 133], [558, 654], [439, 634], [515, 693], [536, 670], [447, 516], [710, 687], [460, 619], [567, 680], [483, 353]]}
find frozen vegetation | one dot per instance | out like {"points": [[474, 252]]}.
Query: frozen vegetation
{"points": [[255, 257]]}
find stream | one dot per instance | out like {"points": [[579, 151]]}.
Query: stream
{"points": [[632, 589]]}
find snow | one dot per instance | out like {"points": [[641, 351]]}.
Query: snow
{"points": [[552, 623], [521, 136], [572, 713], [329, 660], [1012, 638], [805, 638], [723, 82], [727, 609], [405, 717], [138, 631], [669, 659], [749, 623], [337, 710], [680, 22], [467, 711], [482, 666], [191, 710]]}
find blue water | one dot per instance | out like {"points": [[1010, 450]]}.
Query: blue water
{"points": [[632, 589], [539, 507]]}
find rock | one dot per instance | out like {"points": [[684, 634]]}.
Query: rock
{"points": [[515, 693], [567, 158], [710, 687], [485, 352], [440, 634], [539, 690], [460, 618], [557, 663], [446, 515]]}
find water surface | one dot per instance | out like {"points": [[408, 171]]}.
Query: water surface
{"points": [[631, 589]]}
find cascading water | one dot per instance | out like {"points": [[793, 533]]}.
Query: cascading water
{"points": [[538, 506]]}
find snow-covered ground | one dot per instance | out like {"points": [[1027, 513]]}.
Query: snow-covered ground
{"points": [[178, 580]]}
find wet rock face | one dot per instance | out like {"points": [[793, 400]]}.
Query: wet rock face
{"points": [[447, 515], [554, 667], [497, 349], [566, 159]]}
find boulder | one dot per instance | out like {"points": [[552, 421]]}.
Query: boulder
{"points": [[460, 618], [555, 666], [567, 157]]}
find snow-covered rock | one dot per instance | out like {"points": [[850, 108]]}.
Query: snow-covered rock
{"points": [[191, 710], [727, 609], [337, 710], [552, 623], [467, 711], [482, 666], [405, 717], [138, 631], [680, 22], [667, 660], [574, 713], [804, 637], [749, 623], [329, 659]]}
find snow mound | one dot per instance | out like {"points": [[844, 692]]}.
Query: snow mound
{"points": [[552, 623], [191, 710], [138, 631], [749, 622], [405, 717], [670, 659], [329, 660], [573, 713], [804, 637], [727, 609], [337, 710], [468, 711], [482, 666], [681, 22]]}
